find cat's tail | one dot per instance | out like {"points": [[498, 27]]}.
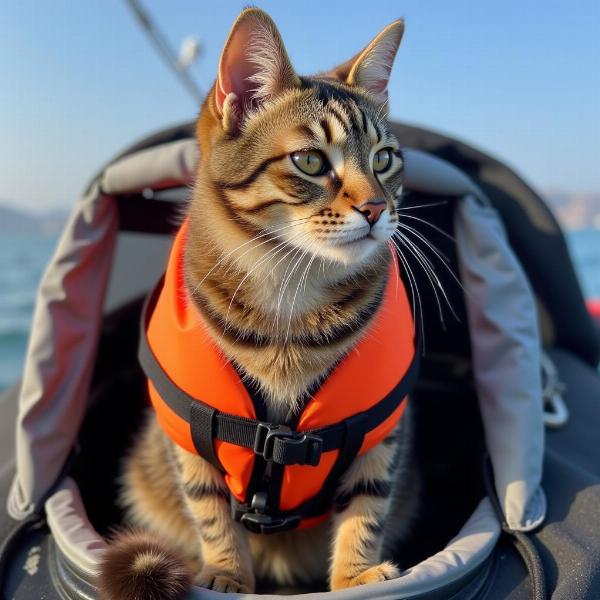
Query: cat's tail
{"points": [[135, 565]]}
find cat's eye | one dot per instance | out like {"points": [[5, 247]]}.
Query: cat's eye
{"points": [[311, 162], [382, 160]]}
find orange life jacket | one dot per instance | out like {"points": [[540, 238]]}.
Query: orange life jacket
{"points": [[282, 475]]}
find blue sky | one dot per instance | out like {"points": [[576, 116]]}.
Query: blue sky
{"points": [[80, 81]]}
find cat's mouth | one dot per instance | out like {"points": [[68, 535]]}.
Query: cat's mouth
{"points": [[356, 241], [352, 239]]}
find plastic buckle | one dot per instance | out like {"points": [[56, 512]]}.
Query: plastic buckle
{"points": [[255, 517], [296, 447], [261, 523]]}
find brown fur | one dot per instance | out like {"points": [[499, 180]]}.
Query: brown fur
{"points": [[283, 298], [137, 567]]}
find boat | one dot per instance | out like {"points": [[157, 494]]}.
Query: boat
{"points": [[497, 488]]}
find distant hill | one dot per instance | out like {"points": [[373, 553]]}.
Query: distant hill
{"points": [[15, 220], [575, 210]]}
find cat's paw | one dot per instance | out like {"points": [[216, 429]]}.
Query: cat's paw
{"points": [[383, 572], [222, 581]]}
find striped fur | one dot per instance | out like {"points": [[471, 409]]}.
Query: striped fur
{"points": [[287, 274], [363, 503]]}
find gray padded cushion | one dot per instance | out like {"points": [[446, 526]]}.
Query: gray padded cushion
{"points": [[569, 541]]}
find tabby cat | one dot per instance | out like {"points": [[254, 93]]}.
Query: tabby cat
{"points": [[292, 212]]}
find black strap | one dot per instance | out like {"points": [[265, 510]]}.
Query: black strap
{"points": [[278, 443], [202, 426], [354, 435], [521, 540]]}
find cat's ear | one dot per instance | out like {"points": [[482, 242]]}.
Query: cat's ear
{"points": [[371, 68], [254, 67]]}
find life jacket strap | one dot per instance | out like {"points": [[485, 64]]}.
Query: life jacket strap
{"points": [[202, 421]]}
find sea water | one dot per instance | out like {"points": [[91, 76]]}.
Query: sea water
{"points": [[585, 250], [23, 259]]}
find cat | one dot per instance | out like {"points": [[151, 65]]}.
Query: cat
{"points": [[288, 241]]}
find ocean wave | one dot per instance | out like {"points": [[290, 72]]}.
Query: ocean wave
{"points": [[12, 336], [23, 300], [15, 321]]}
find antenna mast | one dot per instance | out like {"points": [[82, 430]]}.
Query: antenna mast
{"points": [[164, 49]]}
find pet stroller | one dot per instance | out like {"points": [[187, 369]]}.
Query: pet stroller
{"points": [[519, 349]]}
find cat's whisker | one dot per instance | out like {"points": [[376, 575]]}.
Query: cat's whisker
{"points": [[267, 257], [421, 237], [405, 208], [433, 272], [425, 264], [275, 324], [306, 278], [289, 278], [304, 274], [413, 284], [444, 260], [294, 248], [412, 291], [427, 270], [223, 258], [426, 222], [283, 282], [289, 271], [253, 269], [270, 239], [291, 314], [307, 235]]}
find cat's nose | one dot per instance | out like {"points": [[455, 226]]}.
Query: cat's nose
{"points": [[371, 210]]}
